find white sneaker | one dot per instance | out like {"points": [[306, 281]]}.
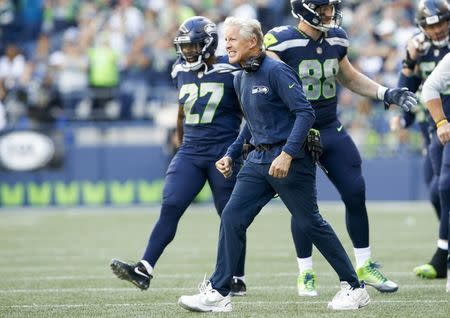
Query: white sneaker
{"points": [[208, 300], [447, 287], [349, 298]]}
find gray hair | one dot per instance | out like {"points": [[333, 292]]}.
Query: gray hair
{"points": [[247, 28]]}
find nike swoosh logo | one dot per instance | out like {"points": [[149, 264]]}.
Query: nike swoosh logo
{"points": [[292, 85], [340, 128], [137, 271]]}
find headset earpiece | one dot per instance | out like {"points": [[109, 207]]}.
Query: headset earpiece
{"points": [[253, 63]]}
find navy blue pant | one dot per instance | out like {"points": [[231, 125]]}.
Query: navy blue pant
{"points": [[185, 178], [343, 162], [254, 188], [440, 160], [432, 181]]}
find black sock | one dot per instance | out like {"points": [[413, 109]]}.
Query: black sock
{"points": [[439, 262]]}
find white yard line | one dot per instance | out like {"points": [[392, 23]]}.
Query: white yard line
{"points": [[260, 303], [169, 276]]}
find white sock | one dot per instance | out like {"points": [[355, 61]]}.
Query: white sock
{"points": [[304, 264], [240, 278], [361, 255], [442, 244], [147, 266]]}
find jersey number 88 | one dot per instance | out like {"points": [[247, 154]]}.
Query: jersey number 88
{"points": [[319, 80]]}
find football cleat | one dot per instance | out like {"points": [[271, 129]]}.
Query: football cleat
{"points": [[306, 283], [134, 273], [372, 276], [208, 300], [349, 298], [238, 287], [426, 271]]}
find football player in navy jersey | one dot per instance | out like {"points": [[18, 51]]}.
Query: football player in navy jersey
{"points": [[436, 84], [424, 51], [278, 118], [208, 122], [317, 50]]}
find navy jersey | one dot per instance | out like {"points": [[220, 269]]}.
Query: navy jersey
{"points": [[426, 64], [317, 63], [276, 111], [212, 112]]}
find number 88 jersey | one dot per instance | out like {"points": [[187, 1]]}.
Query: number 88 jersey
{"points": [[316, 62]]}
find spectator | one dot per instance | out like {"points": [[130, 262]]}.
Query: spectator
{"points": [[104, 75], [70, 64]]}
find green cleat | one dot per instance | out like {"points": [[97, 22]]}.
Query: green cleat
{"points": [[426, 271], [306, 283], [372, 276]]}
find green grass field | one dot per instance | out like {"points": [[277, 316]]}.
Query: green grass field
{"points": [[56, 263]]}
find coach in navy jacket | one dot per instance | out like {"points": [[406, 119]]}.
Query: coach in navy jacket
{"points": [[278, 119]]}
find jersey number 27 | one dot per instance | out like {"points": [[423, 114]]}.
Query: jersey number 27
{"points": [[194, 92]]}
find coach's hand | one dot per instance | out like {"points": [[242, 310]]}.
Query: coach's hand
{"points": [[443, 133], [401, 97], [280, 165], [225, 166]]}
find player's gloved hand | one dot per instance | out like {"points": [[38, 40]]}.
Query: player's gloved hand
{"points": [[314, 144], [401, 97], [420, 44]]}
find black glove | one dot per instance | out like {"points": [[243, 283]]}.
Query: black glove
{"points": [[314, 144], [401, 97]]}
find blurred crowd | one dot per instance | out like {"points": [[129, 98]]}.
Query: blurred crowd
{"points": [[111, 59]]}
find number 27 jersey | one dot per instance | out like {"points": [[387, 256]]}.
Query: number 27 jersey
{"points": [[316, 62], [211, 108]]}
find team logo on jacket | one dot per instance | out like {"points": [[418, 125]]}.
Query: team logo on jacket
{"points": [[260, 90]]}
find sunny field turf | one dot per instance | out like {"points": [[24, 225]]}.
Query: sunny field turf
{"points": [[56, 264]]}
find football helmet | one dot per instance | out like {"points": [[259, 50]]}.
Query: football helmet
{"points": [[196, 41], [307, 10], [431, 12]]}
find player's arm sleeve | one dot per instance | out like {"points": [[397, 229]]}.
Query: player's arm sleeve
{"points": [[342, 42], [412, 83], [438, 81], [286, 83], [176, 67], [235, 149], [270, 42]]}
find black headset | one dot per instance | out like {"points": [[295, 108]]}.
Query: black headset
{"points": [[253, 63]]}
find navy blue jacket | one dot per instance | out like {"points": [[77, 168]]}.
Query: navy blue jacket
{"points": [[276, 110]]}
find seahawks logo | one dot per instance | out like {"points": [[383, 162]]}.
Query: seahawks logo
{"points": [[210, 28], [260, 90]]}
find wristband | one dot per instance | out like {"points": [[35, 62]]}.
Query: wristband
{"points": [[442, 122], [381, 91]]}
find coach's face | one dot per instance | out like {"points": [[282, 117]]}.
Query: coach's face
{"points": [[238, 48]]}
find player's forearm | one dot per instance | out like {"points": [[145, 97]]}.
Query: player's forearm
{"points": [[436, 110], [361, 85], [179, 129], [356, 81]]}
